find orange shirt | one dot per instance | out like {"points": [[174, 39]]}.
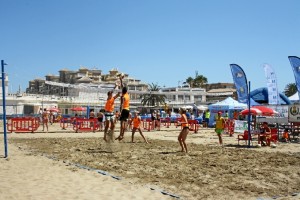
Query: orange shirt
{"points": [[183, 121], [285, 135], [126, 99], [110, 105], [136, 122]]}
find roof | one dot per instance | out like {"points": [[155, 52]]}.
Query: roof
{"points": [[221, 90]]}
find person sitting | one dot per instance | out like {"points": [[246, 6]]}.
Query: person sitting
{"points": [[264, 132], [286, 136]]}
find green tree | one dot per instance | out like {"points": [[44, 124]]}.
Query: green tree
{"points": [[151, 99], [190, 81], [198, 81], [290, 89]]}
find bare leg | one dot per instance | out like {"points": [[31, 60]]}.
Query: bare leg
{"points": [[220, 139], [105, 130], [132, 136], [184, 135], [142, 135], [183, 140], [122, 129], [180, 141], [47, 126]]}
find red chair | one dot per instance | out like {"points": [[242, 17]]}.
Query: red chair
{"points": [[244, 137]]}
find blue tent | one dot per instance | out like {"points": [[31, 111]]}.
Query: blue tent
{"points": [[229, 105]]}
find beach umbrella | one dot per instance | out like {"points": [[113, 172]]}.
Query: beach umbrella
{"points": [[187, 107], [78, 109], [259, 110], [54, 110], [202, 107]]}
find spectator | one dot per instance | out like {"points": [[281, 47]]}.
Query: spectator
{"points": [[286, 136]]}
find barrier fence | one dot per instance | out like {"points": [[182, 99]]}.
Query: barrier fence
{"points": [[23, 124], [85, 125]]}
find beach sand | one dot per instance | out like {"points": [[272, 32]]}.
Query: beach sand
{"points": [[62, 164]]}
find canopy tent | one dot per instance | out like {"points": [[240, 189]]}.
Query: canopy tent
{"points": [[201, 107], [229, 105], [187, 107]]}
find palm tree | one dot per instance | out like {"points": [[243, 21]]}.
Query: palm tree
{"points": [[190, 81], [150, 99], [290, 89], [198, 81]]}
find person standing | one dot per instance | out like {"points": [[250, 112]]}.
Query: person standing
{"points": [[136, 126], [220, 125], [40, 114], [207, 116], [45, 118], [235, 115], [184, 130], [125, 99], [100, 116]]}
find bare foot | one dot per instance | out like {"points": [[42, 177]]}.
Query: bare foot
{"points": [[119, 138], [105, 139]]}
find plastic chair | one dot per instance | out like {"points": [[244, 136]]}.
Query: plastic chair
{"points": [[244, 137]]}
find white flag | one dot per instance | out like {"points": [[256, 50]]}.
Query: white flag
{"points": [[273, 94]]}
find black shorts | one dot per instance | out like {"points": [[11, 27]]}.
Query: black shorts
{"points": [[124, 115]]}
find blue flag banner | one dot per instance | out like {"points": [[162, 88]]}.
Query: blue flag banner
{"points": [[240, 82], [273, 95], [295, 62]]}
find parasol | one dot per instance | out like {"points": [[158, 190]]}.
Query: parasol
{"points": [[259, 110], [54, 110], [78, 109]]}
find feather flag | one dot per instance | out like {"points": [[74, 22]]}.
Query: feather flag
{"points": [[295, 62], [240, 82], [273, 95]]}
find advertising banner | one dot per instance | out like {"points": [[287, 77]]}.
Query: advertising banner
{"points": [[273, 95], [240, 82], [294, 113], [240, 126]]}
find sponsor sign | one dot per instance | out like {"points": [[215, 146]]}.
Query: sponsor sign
{"points": [[240, 126], [294, 113]]}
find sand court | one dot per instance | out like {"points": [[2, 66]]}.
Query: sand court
{"points": [[48, 165]]}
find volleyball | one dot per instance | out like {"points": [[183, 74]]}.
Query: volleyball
{"points": [[273, 145], [258, 145]]}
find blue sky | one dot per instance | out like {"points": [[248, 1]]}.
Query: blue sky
{"points": [[156, 41]]}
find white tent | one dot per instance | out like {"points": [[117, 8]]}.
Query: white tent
{"points": [[187, 107], [201, 107]]}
